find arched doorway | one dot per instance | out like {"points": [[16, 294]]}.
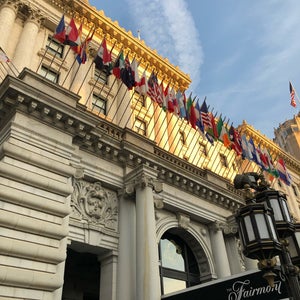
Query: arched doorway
{"points": [[179, 267]]}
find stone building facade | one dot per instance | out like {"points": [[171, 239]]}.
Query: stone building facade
{"points": [[90, 207]]}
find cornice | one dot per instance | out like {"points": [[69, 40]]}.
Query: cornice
{"points": [[275, 150], [90, 16], [103, 139]]}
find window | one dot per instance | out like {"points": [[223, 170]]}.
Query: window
{"points": [[295, 190], [203, 149], [179, 268], [139, 99], [223, 160], [99, 104], [140, 126], [55, 47], [49, 74], [182, 137], [101, 75]]}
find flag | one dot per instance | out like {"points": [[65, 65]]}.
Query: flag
{"points": [[3, 56], [127, 75], [181, 104], [236, 143], [292, 94], [199, 123], [119, 64], [271, 168], [175, 103], [213, 129], [255, 155], [172, 104], [263, 159], [72, 34], [60, 31], [136, 76], [82, 55], [154, 90], [205, 115], [246, 148], [103, 58], [142, 85], [188, 106], [282, 171], [223, 133], [191, 112], [169, 99], [77, 49]]}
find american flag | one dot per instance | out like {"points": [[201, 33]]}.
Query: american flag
{"points": [[154, 90], [292, 93], [205, 116]]}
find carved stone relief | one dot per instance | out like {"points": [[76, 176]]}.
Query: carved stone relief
{"points": [[93, 203]]}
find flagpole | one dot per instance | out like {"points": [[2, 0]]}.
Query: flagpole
{"points": [[169, 134], [98, 77], [136, 102], [125, 93], [119, 89]]}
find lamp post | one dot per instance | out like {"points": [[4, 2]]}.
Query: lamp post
{"points": [[266, 231]]}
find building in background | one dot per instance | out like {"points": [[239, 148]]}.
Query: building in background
{"points": [[115, 182], [287, 136]]}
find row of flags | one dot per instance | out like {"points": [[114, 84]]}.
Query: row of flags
{"points": [[197, 115], [262, 157], [189, 108]]}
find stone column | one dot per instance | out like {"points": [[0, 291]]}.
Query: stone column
{"points": [[8, 13], [147, 263], [219, 250], [24, 50], [126, 281], [148, 287]]}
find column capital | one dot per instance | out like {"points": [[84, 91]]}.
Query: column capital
{"points": [[14, 4], [35, 16], [226, 228], [143, 177]]}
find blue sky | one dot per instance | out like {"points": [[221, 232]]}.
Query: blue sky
{"points": [[241, 55]]}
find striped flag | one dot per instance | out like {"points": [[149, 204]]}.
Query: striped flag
{"points": [[292, 94], [206, 121], [154, 90]]}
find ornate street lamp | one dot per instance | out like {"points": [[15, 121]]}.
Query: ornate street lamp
{"points": [[266, 230], [294, 245]]}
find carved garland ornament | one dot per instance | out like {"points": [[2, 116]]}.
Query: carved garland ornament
{"points": [[93, 203]]}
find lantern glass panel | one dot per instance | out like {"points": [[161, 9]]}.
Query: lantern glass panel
{"points": [[262, 226], [276, 209], [286, 210], [249, 228], [271, 226], [297, 235], [292, 247]]}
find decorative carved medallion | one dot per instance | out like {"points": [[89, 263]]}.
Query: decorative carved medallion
{"points": [[93, 203]]}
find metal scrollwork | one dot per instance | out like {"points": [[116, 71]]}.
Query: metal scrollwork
{"points": [[91, 202]]}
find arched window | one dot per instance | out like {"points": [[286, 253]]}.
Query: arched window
{"points": [[178, 268]]}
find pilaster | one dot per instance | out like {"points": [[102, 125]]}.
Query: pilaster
{"points": [[8, 13], [24, 49], [219, 250]]}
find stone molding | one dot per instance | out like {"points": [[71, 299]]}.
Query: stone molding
{"points": [[110, 142], [226, 228], [183, 220], [94, 204], [26, 10]]}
